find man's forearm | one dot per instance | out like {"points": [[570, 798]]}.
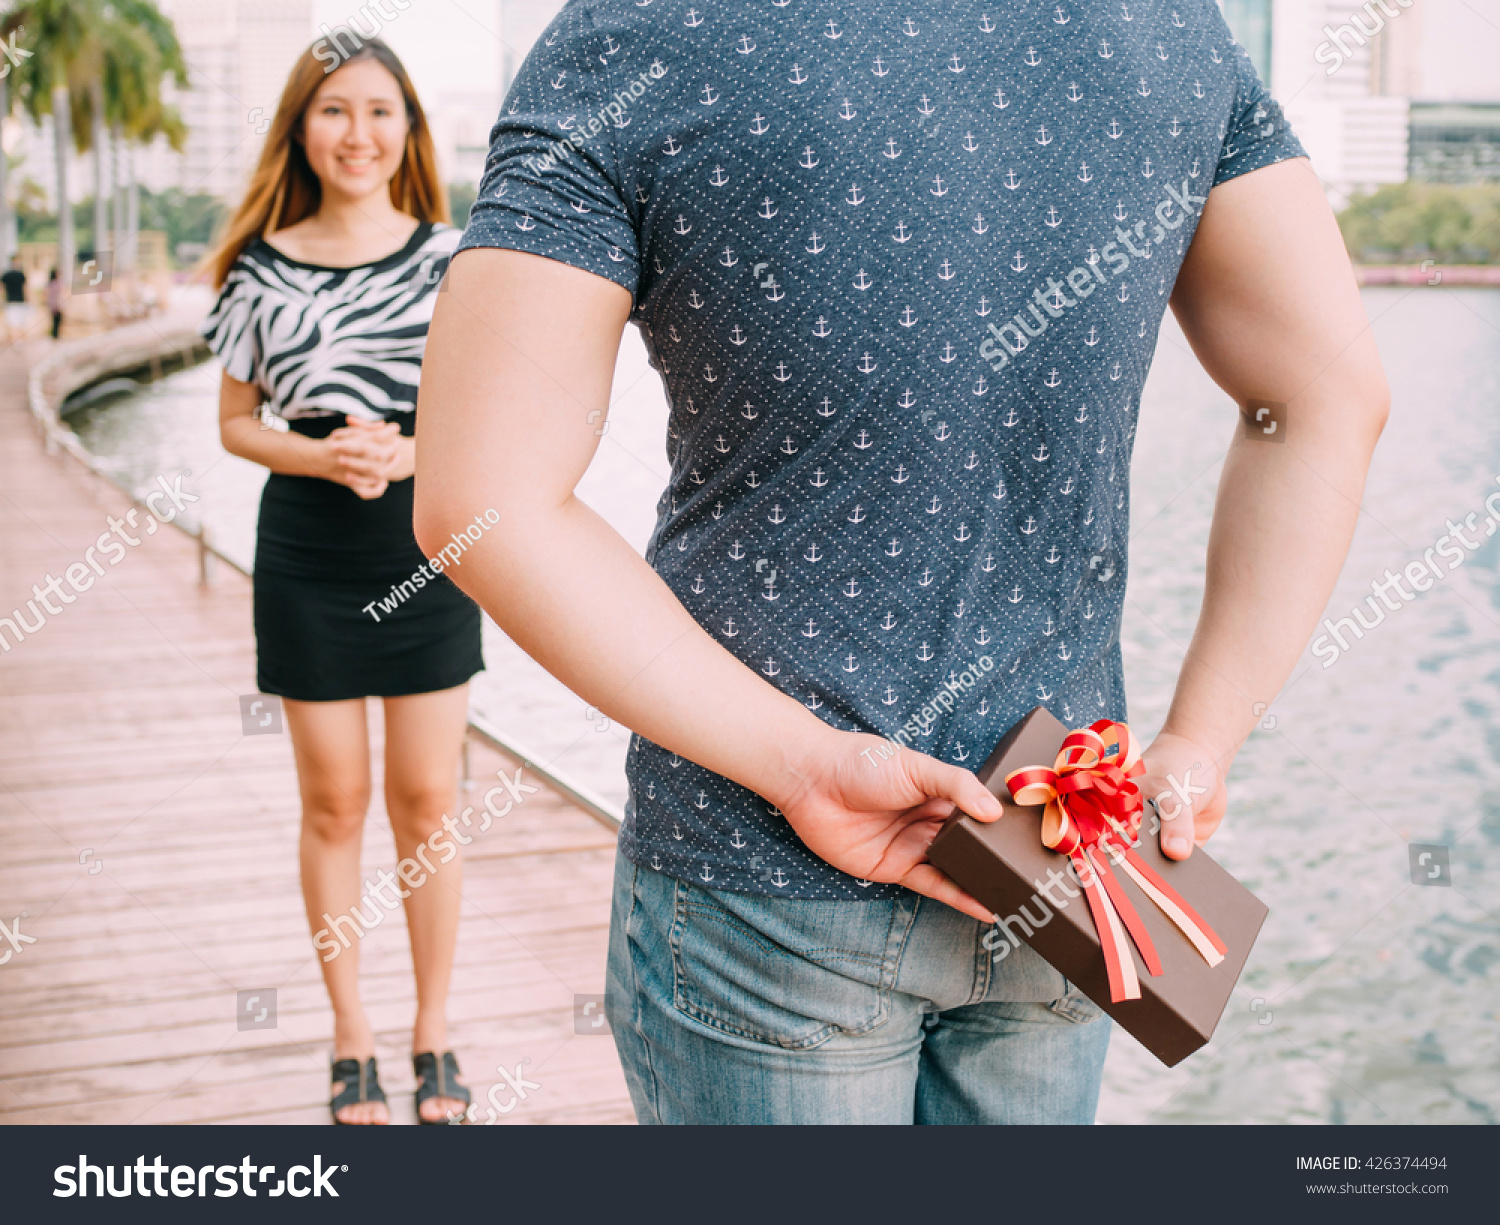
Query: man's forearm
{"points": [[1281, 530], [573, 594]]}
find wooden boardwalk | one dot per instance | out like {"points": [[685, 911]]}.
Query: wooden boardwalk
{"points": [[149, 849]]}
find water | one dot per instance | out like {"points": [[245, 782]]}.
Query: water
{"points": [[1367, 998]]}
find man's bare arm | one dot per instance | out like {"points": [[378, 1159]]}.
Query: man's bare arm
{"points": [[1269, 304]]}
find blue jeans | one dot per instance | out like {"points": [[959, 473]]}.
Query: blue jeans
{"points": [[742, 1008]]}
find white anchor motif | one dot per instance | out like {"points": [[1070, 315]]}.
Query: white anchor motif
{"points": [[693, 20], [1032, 58], [812, 554], [816, 245], [895, 548], [807, 161], [925, 653], [709, 96], [745, 45], [827, 409], [833, 30], [737, 842], [955, 64], [1011, 181], [890, 621], [850, 665], [767, 209], [979, 227], [999, 103], [811, 631], [718, 178], [759, 125], [901, 477], [880, 69], [855, 196], [798, 76], [846, 111]]}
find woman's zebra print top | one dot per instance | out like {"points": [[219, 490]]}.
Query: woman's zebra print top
{"points": [[321, 341]]}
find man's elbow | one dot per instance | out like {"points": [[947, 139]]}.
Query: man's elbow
{"points": [[436, 518]]}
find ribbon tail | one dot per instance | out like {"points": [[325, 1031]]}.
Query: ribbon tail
{"points": [[1128, 914], [1203, 937], [1123, 982]]}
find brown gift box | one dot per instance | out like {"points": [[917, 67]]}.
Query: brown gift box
{"points": [[1004, 864]]}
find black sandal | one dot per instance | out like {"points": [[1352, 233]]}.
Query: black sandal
{"points": [[439, 1078], [360, 1083]]}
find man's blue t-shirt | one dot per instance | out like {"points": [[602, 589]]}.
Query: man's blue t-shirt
{"points": [[901, 268]]}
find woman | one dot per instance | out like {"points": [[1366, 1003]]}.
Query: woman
{"points": [[328, 273]]}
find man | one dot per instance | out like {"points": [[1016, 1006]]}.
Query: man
{"points": [[17, 312], [902, 277]]}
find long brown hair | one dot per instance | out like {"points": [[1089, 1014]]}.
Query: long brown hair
{"points": [[284, 190]]}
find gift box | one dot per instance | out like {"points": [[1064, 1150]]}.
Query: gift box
{"points": [[1157, 943]]}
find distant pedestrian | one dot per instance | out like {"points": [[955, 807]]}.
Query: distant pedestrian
{"points": [[17, 313], [54, 301]]}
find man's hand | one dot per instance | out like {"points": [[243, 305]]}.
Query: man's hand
{"points": [[1188, 786], [875, 819]]}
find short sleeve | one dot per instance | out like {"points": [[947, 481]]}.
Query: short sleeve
{"points": [[551, 184], [1257, 133], [229, 328]]}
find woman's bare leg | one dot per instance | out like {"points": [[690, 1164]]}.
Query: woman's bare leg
{"points": [[424, 736], [332, 744]]}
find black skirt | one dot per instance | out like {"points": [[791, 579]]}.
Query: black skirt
{"points": [[345, 603]]}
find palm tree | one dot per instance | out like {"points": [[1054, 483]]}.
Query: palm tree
{"points": [[60, 36], [96, 65], [140, 50]]}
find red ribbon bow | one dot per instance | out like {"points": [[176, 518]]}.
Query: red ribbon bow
{"points": [[1092, 804]]}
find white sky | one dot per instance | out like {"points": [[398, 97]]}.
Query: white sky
{"points": [[457, 46], [453, 46]]}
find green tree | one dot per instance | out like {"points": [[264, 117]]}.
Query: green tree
{"points": [[1408, 222]]}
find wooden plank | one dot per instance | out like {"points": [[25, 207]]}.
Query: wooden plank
{"points": [[120, 734]]}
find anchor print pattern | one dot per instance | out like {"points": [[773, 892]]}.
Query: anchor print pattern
{"points": [[819, 209]]}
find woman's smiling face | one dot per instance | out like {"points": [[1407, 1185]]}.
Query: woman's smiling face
{"points": [[355, 129]]}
